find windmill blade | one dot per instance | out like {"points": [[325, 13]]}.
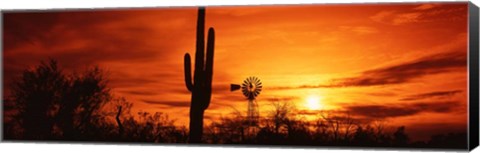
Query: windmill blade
{"points": [[245, 92], [234, 87]]}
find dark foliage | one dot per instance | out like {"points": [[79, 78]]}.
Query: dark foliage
{"points": [[48, 104], [282, 127]]}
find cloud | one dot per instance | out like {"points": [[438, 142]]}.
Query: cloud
{"points": [[382, 16], [168, 103], [280, 99], [308, 112], [407, 18], [84, 38], [406, 72], [382, 94], [116, 82], [298, 87], [439, 94], [386, 111], [361, 30], [335, 115], [234, 97], [396, 74], [426, 6], [422, 14], [221, 88], [139, 92], [18, 29]]}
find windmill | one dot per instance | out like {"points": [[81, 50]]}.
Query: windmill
{"points": [[251, 88]]}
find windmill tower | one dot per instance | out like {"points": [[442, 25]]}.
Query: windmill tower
{"points": [[251, 88]]}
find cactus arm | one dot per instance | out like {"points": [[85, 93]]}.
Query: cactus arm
{"points": [[188, 72], [210, 51], [209, 67]]}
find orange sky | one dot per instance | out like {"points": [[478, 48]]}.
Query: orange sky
{"points": [[403, 64]]}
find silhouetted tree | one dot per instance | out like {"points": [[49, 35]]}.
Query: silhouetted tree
{"points": [[47, 104], [228, 130], [38, 93], [400, 138], [281, 115], [155, 127], [51, 103], [85, 95], [364, 136], [11, 124]]}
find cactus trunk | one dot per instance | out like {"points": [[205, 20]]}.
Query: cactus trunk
{"points": [[201, 87]]}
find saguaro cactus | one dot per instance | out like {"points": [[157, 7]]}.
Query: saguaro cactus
{"points": [[201, 88]]}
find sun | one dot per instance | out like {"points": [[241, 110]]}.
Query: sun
{"points": [[313, 102]]}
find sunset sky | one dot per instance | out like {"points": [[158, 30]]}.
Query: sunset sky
{"points": [[402, 64]]}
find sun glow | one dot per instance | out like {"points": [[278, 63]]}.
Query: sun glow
{"points": [[313, 102]]}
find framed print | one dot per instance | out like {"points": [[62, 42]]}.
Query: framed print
{"points": [[379, 75]]}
